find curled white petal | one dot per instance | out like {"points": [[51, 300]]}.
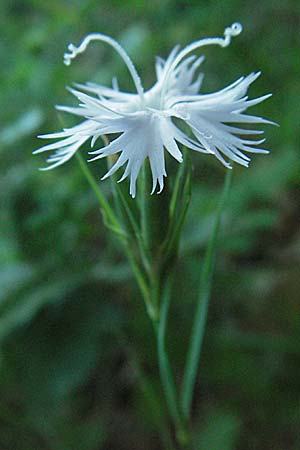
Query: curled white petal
{"points": [[234, 30], [74, 51]]}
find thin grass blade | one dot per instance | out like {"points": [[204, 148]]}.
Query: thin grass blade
{"points": [[199, 325]]}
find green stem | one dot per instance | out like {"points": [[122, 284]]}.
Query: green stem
{"points": [[165, 370], [144, 204], [136, 231], [147, 389], [152, 294], [115, 225], [102, 200], [151, 309], [199, 325], [123, 207]]}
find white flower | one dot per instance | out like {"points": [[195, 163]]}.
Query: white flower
{"points": [[144, 121]]}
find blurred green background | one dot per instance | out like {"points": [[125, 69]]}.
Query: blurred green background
{"points": [[73, 329]]}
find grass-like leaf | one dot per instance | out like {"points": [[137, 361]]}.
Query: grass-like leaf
{"points": [[198, 330]]}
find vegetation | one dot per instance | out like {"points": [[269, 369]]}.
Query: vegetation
{"points": [[77, 358]]}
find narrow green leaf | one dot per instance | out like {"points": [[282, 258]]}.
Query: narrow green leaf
{"points": [[135, 227], [198, 330], [166, 374], [180, 202], [176, 188], [127, 214], [110, 216], [114, 224], [164, 364], [144, 206]]}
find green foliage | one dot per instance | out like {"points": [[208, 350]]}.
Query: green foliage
{"points": [[69, 379], [220, 431]]}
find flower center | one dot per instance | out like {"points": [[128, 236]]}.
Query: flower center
{"points": [[153, 98]]}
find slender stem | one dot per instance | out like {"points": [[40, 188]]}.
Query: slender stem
{"points": [[166, 374], [199, 325], [151, 396], [136, 230], [151, 309], [102, 200], [155, 298], [178, 222], [122, 205], [176, 188], [122, 237], [144, 205]]}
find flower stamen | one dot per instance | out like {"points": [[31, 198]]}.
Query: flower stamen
{"points": [[234, 30], [74, 51]]}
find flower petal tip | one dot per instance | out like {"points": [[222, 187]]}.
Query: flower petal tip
{"points": [[44, 169], [236, 28]]}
